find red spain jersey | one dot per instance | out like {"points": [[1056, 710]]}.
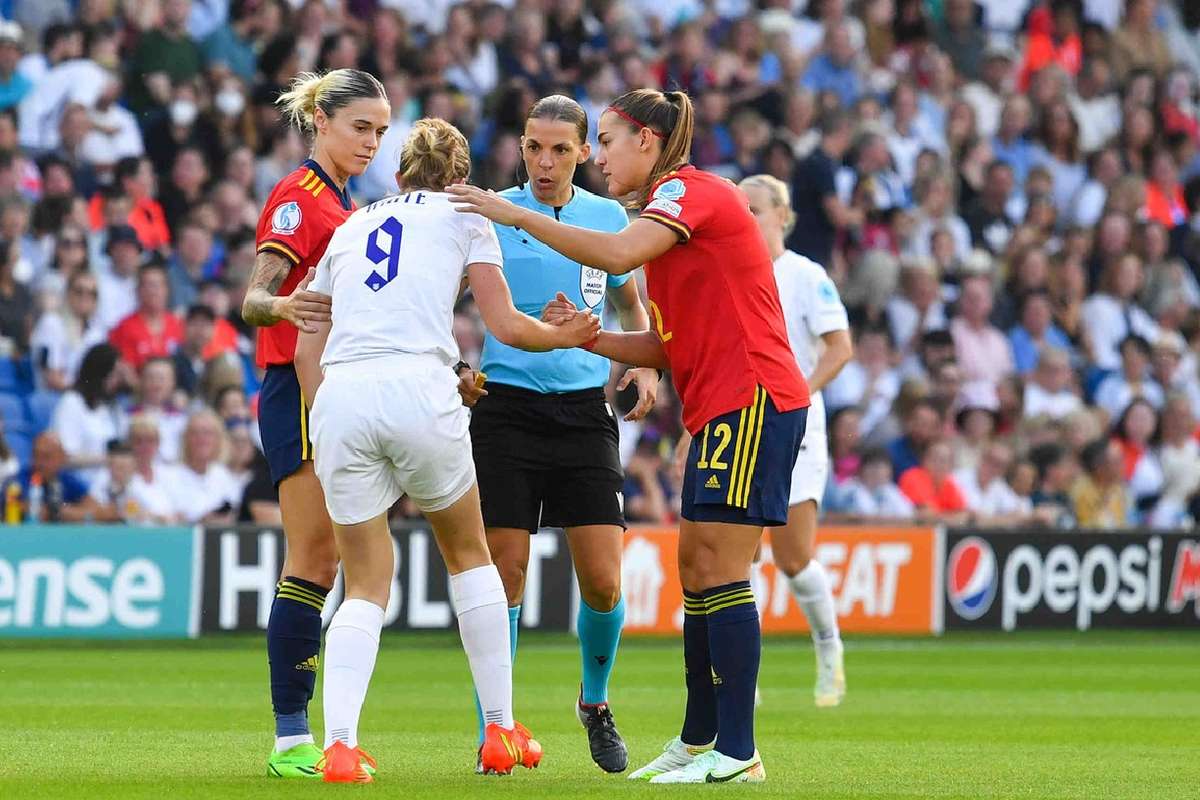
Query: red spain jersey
{"points": [[714, 301], [299, 217]]}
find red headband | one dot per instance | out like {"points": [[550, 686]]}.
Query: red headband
{"points": [[633, 121]]}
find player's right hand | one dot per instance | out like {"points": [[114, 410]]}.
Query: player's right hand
{"points": [[559, 310], [580, 329], [303, 308]]}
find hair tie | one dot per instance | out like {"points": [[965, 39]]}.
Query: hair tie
{"points": [[635, 121]]}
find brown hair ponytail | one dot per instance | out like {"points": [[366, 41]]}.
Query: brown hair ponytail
{"points": [[669, 115]]}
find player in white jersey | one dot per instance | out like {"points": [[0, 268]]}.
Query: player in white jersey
{"points": [[819, 334], [387, 419]]}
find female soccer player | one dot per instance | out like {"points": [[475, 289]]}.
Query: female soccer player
{"points": [[545, 440], [819, 333], [347, 113], [719, 327], [387, 419]]}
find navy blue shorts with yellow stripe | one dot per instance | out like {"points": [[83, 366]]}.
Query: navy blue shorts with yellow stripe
{"points": [[283, 422], [739, 468]]}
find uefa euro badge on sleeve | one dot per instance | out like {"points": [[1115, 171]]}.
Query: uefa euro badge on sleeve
{"points": [[591, 285], [286, 219]]}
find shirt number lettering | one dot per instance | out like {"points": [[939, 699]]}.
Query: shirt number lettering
{"points": [[724, 434], [377, 254]]}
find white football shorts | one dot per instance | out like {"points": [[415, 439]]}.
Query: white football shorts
{"points": [[811, 472], [386, 427]]}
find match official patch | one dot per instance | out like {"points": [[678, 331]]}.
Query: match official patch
{"points": [[286, 218], [666, 206]]}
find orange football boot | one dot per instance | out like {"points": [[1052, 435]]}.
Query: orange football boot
{"points": [[342, 764], [504, 749]]}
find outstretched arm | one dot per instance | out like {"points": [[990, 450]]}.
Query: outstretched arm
{"points": [[262, 306], [515, 329], [614, 253]]}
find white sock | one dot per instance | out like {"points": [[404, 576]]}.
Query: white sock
{"points": [[482, 609], [284, 743], [350, 649], [811, 587]]}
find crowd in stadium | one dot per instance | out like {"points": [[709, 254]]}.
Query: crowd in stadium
{"points": [[1006, 193]]}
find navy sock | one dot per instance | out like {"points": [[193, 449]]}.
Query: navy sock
{"points": [[700, 714], [293, 647], [734, 645]]}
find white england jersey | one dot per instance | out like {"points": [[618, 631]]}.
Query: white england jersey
{"points": [[811, 308], [394, 270]]}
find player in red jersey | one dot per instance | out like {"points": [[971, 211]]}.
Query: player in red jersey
{"points": [[347, 112], [720, 328]]}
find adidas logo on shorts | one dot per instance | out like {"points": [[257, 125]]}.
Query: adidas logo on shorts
{"points": [[712, 483]]}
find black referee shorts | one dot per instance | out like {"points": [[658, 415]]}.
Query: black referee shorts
{"points": [[546, 460]]}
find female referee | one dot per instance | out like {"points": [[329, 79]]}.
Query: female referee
{"points": [[719, 327], [347, 112], [545, 440]]}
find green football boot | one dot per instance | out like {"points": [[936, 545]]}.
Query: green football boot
{"points": [[296, 762]]}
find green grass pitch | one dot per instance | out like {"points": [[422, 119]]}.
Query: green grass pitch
{"points": [[1088, 716]]}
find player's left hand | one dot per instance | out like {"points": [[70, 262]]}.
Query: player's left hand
{"points": [[559, 310], [472, 199], [470, 387], [647, 389]]}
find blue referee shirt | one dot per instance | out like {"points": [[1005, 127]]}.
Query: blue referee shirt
{"points": [[534, 273]]}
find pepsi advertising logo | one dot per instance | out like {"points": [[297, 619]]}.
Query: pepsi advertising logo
{"points": [[971, 578], [1009, 580]]}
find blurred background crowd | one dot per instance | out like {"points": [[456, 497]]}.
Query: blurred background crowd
{"points": [[1006, 192]]}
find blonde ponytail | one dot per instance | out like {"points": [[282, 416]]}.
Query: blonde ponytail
{"points": [[328, 92], [435, 155]]}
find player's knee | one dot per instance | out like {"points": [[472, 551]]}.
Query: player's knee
{"points": [[316, 563], [791, 566], [512, 575], [602, 594]]}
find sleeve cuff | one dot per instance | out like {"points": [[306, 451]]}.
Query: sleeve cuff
{"points": [[681, 229], [282, 249]]}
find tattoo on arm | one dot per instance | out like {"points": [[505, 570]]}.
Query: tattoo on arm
{"points": [[270, 269]]}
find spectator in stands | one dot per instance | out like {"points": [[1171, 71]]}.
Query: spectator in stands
{"points": [[1164, 193], [201, 487], [188, 358], [135, 178], [150, 485], [1112, 315], [820, 213], [1096, 108], [931, 487], [868, 383], [845, 435], [1141, 472], [977, 409], [1099, 495], [13, 85], [935, 211], [16, 305], [988, 218], [186, 189], [61, 338], [985, 490], [1174, 369], [1057, 150], [648, 491], [961, 38], [1104, 168], [165, 55], [194, 261], [1049, 390], [88, 416], [922, 426], [872, 493], [1179, 457], [156, 397], [981, 349], [1036, 330], [118, 284], [64, 497], [1057, 470], [1137, 42], [919, 307], [112, 490], [1131, 382], [833, 70], [152, 330]]}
